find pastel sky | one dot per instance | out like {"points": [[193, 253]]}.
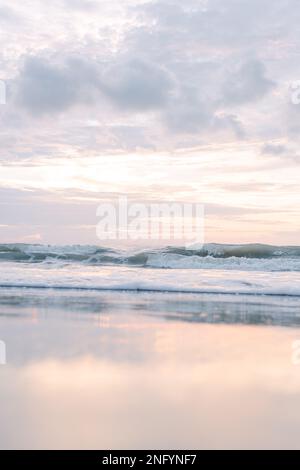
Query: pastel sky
{"points": [[158, 100]]}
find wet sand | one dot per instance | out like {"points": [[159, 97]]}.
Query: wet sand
{"points": [[108, 370]]}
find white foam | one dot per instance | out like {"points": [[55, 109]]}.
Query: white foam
{"points": [[176, 261], [132, 278]]}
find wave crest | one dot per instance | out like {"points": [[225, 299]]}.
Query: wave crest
{"points": [[217, 256]]}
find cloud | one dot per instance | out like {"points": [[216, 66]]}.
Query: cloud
{"points": [[188, 112], [247, 83], [288, 155], [81, 5], [231, 122], [45, 88], [230, 24], [274, 149], [137, 85], [160, 73], [8, 15]]}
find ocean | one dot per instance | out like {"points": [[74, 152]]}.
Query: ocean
{"points": [[231, 269], [149, 349]]}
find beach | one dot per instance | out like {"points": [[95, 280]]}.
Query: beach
{"points": [[90, 369], [149, 228]]}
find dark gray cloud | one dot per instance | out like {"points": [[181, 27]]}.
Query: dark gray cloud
{"points": [[274, 149], [137, 85], [286, 154], [247, 83], [44, 87]]}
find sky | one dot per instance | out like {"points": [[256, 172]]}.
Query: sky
{"points": [[160, 101]]}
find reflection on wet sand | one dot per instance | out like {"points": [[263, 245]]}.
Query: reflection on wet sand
{"points": [[112, 372], [202, 308]]}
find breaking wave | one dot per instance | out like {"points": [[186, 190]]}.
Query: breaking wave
{"points": [[210, 256]]}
